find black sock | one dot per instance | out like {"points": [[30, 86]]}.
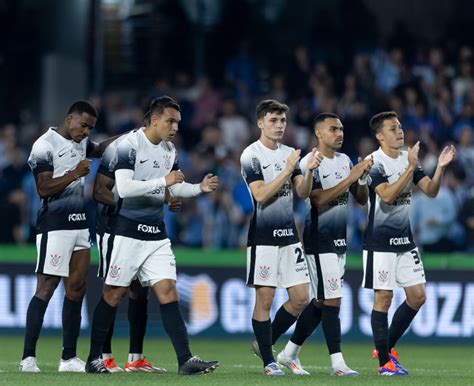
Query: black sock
{"points": [[174, 326], [379, 321], [331, 328], [400, 322], [107, 347], [282, 322], [71, 327], [263, 334], [137, 317], [34, 322], [307, 322], [102, 319]]}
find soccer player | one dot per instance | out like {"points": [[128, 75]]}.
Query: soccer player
{"points": [[274, 254], [58, 161], [146, 164], [138, 295], [390, 257], [325, 244]]}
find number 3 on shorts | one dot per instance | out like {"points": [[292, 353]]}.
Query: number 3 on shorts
{"points": [[416, 257]]}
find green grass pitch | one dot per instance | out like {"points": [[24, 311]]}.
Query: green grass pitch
{"points": [[428, 365]]}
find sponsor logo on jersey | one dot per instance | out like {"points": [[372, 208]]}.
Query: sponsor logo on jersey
{"points": [[399, 241], [339, 242], [264, 272], [402, 199], [266, 166], [55, 260], [114, 271], [77, 217], [156, 165], [303, 268], [148, 228], [283, 232], [284, 191], [338, 175], [383, 276], [278, 167], [341, 200]]}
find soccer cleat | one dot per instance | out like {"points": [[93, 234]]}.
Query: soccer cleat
{"points": [[293, 364], [393, 355], [256, 349], [73, 365], [96, 366], [142, 365], [28, 365], [389, 369], [111, 366], [196, 366], [273, 369], [343, 371]]}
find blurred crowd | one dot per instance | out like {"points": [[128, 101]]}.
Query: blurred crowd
{"points": [[432, 92]]}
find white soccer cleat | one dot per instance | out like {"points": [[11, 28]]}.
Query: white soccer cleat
{"points": [[293, 364], [343, 371], [73, 365], [273, 369], [256, 349], [28, 365]]}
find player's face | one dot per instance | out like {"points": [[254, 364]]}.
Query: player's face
{"points": [[391, 135], [166, 123], [79, 125], [273, 125], [330, 132]]}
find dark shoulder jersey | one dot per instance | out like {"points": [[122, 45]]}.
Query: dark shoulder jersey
{"points": [[142, 217], [388, 228], [53, 153], [107, 168], [273, 222], [326, 226]]}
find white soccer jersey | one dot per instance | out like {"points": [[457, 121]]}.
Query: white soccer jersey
{"points": [[273, 222], [54, 153], [388, 228], [142, 217], [325, 228]]}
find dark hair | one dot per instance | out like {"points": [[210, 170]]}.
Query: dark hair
{"points": [[146, 118], [158, 105], [270, 106], [322, 117], [80, 107], [376, 122]]}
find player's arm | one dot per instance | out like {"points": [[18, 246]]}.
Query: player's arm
{"points": [[185, 190], [430, 186], [389, 192], [48, 186], [304, 184], [96, 150], [263, 192], [102, 191]]}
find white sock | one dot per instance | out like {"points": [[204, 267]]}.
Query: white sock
{"points": [[291, 349], [106, 355], [134, 357], [337, 360]]}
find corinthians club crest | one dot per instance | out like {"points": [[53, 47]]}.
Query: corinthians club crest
{"points": [[264, 272], [114, 271], [55, 260]]}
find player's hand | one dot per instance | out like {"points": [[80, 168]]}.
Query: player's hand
{"points": [[368, 167], [174, 204], [361, 169], [447, 156], [175, 177], [292, 161], [82, 169], [413, 155], [209, 183], [314, 160]]}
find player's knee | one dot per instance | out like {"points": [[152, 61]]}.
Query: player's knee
{"points": [[300, 302], [46, 287], [138, 293], [383, 300], [76, 291], [113, 298], [417, 300]]}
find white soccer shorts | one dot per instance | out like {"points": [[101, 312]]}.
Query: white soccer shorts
{"points": [[55, 248], [148, 260], [389, 270], [327, 275], [273, 266]]}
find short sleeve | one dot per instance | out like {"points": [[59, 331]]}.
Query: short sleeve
{"points": [[251, 167], [126, 155], [418, 175], [377, 175], [175, 163], [90, 146], [108, 162], [41, 158]]}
